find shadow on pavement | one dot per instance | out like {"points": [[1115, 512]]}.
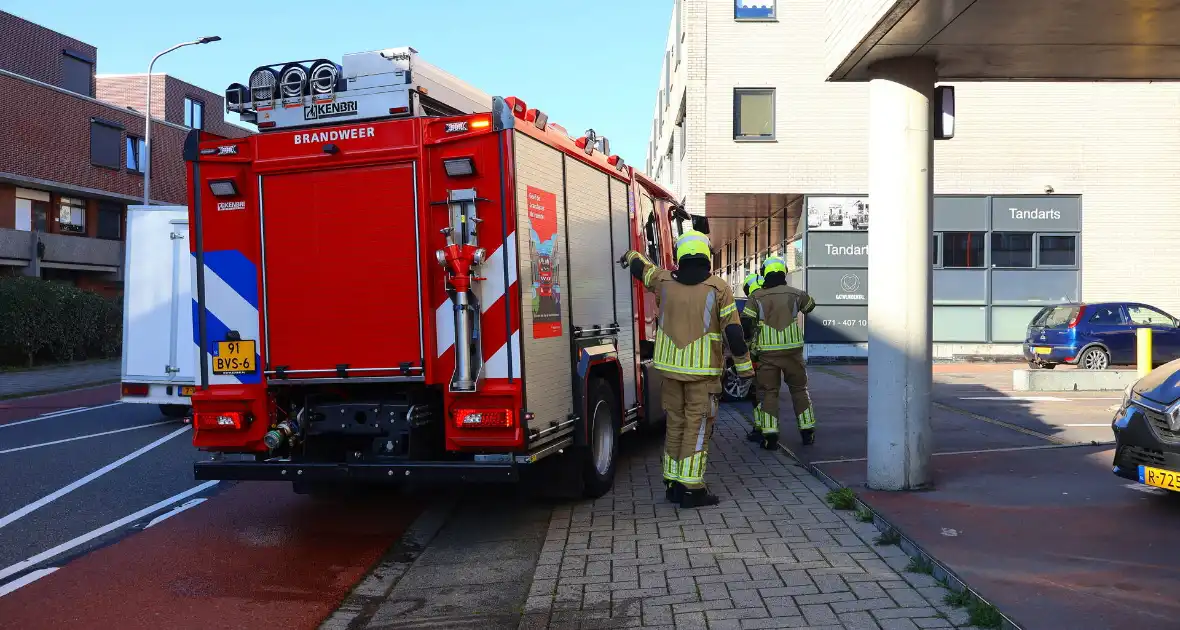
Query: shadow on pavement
{"points": [[1023, 508]]}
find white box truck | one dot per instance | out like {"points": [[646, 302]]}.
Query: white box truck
{"points": [[159, 358]]}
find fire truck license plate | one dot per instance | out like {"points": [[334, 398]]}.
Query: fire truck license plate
{"points": [[234, 357]]}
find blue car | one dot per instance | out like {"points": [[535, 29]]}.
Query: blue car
{"points": [[1097, 336]]}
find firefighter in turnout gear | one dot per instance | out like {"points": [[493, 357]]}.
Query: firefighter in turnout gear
{"points": [[773, 315], [752, 283], [697, 311]]}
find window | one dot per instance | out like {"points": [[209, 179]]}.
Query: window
{"points": [[683, 139], [1107, 316], [1056, 317], [194, 113], [76, 71], [650, 229], [1012, 249], [1057, 250], [135, 153], [110, 221], [753, 9], [671, 167], [1147, 316], [667, 79], [753, 114], [106, 143], [678, 42], [962, 249], [71, 215], [935, 251]]}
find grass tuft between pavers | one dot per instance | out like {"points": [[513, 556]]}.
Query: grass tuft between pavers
{"points": [[842, 499], [980, 614], [888, 537], [864, 514], [920, 564]]}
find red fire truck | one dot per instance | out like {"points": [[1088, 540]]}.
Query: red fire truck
{"points": [[361, 269]]}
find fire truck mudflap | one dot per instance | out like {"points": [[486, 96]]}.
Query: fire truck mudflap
{"points": [[416, 288]]}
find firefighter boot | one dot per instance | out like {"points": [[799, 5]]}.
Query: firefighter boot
{"points": [[674, 491], [770, 442], [808, 436], [755, 435], [698, 497]]}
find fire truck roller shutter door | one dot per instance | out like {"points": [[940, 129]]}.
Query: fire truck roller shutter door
{"points": [[546, 360], [339, 293], [624, 287], [591, 295]]}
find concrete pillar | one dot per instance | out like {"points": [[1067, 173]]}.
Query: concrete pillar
{"points": [[901, 191]]}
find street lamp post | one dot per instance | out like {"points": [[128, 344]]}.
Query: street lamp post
{"points": [[147, 118]]}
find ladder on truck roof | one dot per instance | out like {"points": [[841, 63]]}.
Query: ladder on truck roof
{"points": [[390, 83]]}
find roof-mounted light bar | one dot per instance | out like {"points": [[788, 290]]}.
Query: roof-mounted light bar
{"points": [[263, 85]]}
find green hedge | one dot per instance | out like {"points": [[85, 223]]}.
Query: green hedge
{"points": [[43, 321]]}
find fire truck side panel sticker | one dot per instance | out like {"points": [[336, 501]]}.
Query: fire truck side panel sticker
{"points": [[545, 254], [231, 304]]}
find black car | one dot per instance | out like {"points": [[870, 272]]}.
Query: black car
{"points": [[1147, 430]]}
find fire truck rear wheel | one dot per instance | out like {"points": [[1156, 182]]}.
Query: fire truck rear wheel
{"points": [[602, 450]]}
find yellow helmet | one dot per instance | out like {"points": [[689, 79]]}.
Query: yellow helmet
{"points": [[752, 283], [773, 264], [693, 243]]}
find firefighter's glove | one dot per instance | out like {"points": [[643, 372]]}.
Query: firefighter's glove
{"points": [[625, 260]]}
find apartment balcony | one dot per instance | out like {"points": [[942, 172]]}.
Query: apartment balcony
{"points": [[59, 251]]}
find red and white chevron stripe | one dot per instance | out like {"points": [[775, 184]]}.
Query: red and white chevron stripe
{"points": [[494, 309]]}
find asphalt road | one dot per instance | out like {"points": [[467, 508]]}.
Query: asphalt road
{"points": [[102, 525], [74, 470]]}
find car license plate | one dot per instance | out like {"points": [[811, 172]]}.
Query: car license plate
{"points": [[1042, 350], [187, 390], [1165, 479], [234, 357]]}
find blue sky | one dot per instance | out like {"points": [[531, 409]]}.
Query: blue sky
{"points": [[587, 64]]}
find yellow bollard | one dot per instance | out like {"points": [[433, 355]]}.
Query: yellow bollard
{"points": [[1143, 350]]}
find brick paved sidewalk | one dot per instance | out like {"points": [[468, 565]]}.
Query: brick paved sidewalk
{"points": [[57, 378], [772, 555]]}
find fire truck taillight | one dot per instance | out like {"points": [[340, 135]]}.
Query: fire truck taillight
{"points": [[220, 421], [481, 123], [223, 188], [483, 418], [459, 167]]}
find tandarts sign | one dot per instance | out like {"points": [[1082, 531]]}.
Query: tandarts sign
{"points": [[1037, 214], [837, 249]]}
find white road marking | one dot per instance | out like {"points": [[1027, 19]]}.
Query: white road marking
{"points": [[1146, 488], [1100, 424], [25, 580], [87, 436], [176, 510], [49, 498], [58, 414], [91, 535], [59, 411]]}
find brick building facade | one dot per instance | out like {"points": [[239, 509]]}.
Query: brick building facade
{"points": [[71, 155]]}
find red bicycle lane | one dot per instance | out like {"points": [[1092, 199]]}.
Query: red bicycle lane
{"points": [[256, 555]]}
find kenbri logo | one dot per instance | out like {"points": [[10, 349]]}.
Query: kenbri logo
{"points": [[231, 205]]}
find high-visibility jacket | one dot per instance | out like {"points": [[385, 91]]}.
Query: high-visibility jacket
{"points": [[692, 323], [776, 311]]}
